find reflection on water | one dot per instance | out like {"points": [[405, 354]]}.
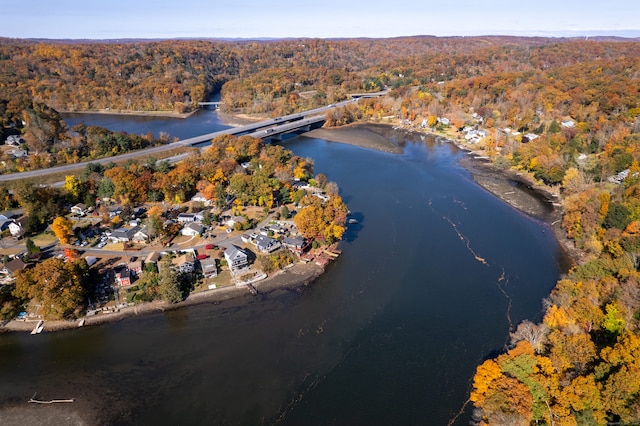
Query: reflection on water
{"points": [[429, 284]]}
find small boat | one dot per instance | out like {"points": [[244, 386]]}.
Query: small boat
{"points": [[38, 328], [81, 323], [352, 221]]}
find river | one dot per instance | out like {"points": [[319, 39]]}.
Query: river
{"points": [[430, 282]]}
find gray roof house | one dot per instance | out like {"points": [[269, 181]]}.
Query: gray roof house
{"points": [[209, 268], [123, 234], [267, 244], [192, 230], [236, 258]]}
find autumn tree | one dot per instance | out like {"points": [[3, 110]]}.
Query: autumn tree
{"points": [[59, 287], [62, 228], [169, 284]]}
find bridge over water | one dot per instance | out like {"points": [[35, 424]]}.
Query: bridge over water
{"points": [[273, 128]]}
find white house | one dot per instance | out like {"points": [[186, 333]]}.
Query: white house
{"points": [[142, 235], [192, 230], [14, 140], [235, 219], [17, 227], [79, 209], [201, 198], [236, 258], [186, 218]]}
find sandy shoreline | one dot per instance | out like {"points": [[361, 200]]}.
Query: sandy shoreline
{"points": [[510, 186], [366, 135]]}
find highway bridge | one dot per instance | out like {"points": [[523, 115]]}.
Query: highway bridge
{"points": [[213, 104], [267, 129]]}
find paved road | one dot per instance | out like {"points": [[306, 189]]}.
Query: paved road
{"points": [[249, 128]]}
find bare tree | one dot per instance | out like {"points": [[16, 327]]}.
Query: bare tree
{"points": [[536, 334]]}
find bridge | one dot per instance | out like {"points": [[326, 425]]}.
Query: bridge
{"points": [[213, 104], [267, 129], [272, 128], [369, 94]]}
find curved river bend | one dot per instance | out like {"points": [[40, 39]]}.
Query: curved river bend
{"points": [[429, 284]]}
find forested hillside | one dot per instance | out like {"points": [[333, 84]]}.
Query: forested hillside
{"points": [[564, 113]]}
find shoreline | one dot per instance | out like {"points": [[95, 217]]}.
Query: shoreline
{"points": [[510, 186], [531, 200], [299, 275], [163, 114]]}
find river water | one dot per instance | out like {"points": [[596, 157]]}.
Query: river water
{"points": [[429, 284]]}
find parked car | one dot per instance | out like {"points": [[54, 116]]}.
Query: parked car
{"points": [[202, 256], [210, 247]]}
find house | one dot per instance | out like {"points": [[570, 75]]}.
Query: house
{"points": [[19, 153], [142, 235], [135, 267], [620, 177], [91, 260], [123, 276], [192, 230], [233, 220], [209, 268], [184, 263], [186, 218], [152, 257], [17, 227], [236, 258], [14, 140], [568, 124], [201, 198], [79, 209], [267, 244], [123, 235], [277, 229], [295, 244], [444, 121], [13, 266], [114, 211]]}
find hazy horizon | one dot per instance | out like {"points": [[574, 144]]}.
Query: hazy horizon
{"points": [[281, 19]]}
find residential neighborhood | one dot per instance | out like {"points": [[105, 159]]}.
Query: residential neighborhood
{"points": [[208, 249]]}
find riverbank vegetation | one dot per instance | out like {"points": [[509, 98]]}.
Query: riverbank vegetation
{"points": [[565, 113], [235, 171]]}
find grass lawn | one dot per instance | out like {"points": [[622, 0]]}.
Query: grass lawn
{"points": [[44, 239]]}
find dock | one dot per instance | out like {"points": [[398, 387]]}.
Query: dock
{"points": [[38, 328], [252, 289], [52, 401]]}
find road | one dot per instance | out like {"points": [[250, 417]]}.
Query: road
{"points": [[249, 128]]}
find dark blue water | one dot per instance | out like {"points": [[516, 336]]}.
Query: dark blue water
{"points": [[429, 284]]}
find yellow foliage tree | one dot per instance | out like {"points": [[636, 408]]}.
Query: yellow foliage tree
{"points": [[72, 185], [556, 317], [63, 229]]}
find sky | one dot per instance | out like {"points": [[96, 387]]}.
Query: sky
{"points": [[120, 19]]}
